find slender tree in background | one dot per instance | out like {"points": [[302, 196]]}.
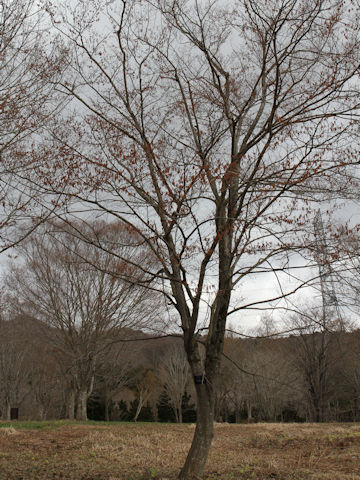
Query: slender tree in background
{"points": [[174, 373], [147, 390], [31, 62], [212, 129], [88, 305]]}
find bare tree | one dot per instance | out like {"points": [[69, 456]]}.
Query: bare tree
{"points": [[211, 129], [174, 371], [88, 306], [147, 390]]}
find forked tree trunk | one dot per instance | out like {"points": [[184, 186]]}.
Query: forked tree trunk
{"points": [[205, 374], [199, 451], [206, 370]]}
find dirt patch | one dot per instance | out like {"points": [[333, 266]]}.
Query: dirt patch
{"points": [[157, 451]]}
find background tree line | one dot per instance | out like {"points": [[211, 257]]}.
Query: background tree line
{"points": [[311, 376]]}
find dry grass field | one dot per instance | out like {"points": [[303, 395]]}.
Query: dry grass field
{"points": [[125, 451]]}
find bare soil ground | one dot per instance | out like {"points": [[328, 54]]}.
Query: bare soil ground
{"points": [[125, 451]]}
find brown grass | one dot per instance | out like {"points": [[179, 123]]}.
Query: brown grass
{"points": [[157, 451]]}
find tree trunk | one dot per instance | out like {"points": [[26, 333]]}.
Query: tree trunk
{"points": [[198, 454], [139, 408], [106, 405], [249, 411], [205, 371], [70, 407], [81, 412], [177, 409], [42, 413], [7, 411]]}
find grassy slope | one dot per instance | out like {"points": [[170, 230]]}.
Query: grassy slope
{"points": [[121, 451]]}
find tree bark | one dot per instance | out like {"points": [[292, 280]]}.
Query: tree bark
{"points": [[205, 374], [196, 460]]}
